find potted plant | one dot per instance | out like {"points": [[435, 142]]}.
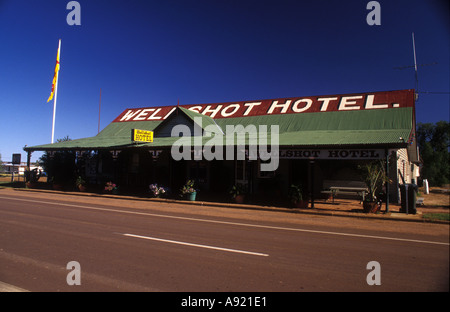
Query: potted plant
{"points": [[296, 196], [374, 175], [238, 192], [111, 187], [80, 184], [157, 191], [188, 190], [56, 183]]}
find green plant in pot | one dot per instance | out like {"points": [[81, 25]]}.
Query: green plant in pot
{"points": [[296, 196], [80, 184], [111, 187], [157, 191], [238, 192], [188, 190], [374, 175]]}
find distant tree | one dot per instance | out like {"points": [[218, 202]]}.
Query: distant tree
{"points": [[60, 166], [64, 139], [1, 163], [434, 144]]}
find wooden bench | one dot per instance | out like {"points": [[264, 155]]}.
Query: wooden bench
{"points": [[344, 187]]}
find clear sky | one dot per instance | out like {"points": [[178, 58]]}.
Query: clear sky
{"points": [[152, 53]]}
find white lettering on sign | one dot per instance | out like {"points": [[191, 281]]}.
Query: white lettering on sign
{"points": [[370, 105], [325, 103], [308, 104], [143, 114], [352, 102], [250, 107], [348, 103], [196, 109], [332, 154], [129, 115], [284, 106], [170, 112], [211, 111], [226, 112]]}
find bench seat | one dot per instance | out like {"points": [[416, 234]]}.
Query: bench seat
{"points": [[342, 187]]}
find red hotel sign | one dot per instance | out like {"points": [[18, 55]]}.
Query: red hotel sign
{"points": [[294, 105]]}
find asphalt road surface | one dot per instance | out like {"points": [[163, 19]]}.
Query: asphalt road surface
{"points": [[123, 245]]}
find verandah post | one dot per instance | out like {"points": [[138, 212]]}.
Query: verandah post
{"points": [[387, 182]]}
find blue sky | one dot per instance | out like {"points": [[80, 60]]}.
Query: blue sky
{"points": [[153, 53]]}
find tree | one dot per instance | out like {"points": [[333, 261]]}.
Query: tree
{"points": [[434, 144], [60, 166]]}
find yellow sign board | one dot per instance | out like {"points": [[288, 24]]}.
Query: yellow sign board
{"points": [[141, 135]]}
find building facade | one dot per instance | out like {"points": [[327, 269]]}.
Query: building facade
{"points": [[265, 145]]}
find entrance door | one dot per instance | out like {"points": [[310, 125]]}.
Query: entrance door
{"points": [[241, 172], [178, 172]]}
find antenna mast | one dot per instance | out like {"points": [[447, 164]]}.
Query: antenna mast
{"points": [[415, 69]]}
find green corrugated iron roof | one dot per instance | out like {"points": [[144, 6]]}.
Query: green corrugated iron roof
{"points": [[361, 120], [363, 127], [205, 120]]}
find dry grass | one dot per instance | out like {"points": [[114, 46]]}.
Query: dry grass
{"points": [[435, 199], [436, 204], [5, 178]]}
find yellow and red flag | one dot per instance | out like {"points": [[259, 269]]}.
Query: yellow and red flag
{"points": [[55, 76]]}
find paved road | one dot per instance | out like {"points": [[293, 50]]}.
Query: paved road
{"points": [[140, 246]]}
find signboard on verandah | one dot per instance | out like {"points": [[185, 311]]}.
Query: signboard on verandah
{"points": [[141, 135]]}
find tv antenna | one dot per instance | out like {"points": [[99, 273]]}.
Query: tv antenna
{"points": [[416, 87]]}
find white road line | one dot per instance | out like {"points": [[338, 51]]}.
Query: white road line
{"points": [[197, 245], [232, 223], [10, 288]]}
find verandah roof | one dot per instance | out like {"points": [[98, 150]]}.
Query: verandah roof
{"points": [[389, 128]]}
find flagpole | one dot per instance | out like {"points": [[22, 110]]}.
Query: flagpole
{"points": [[56, 94], [99, 109]]}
